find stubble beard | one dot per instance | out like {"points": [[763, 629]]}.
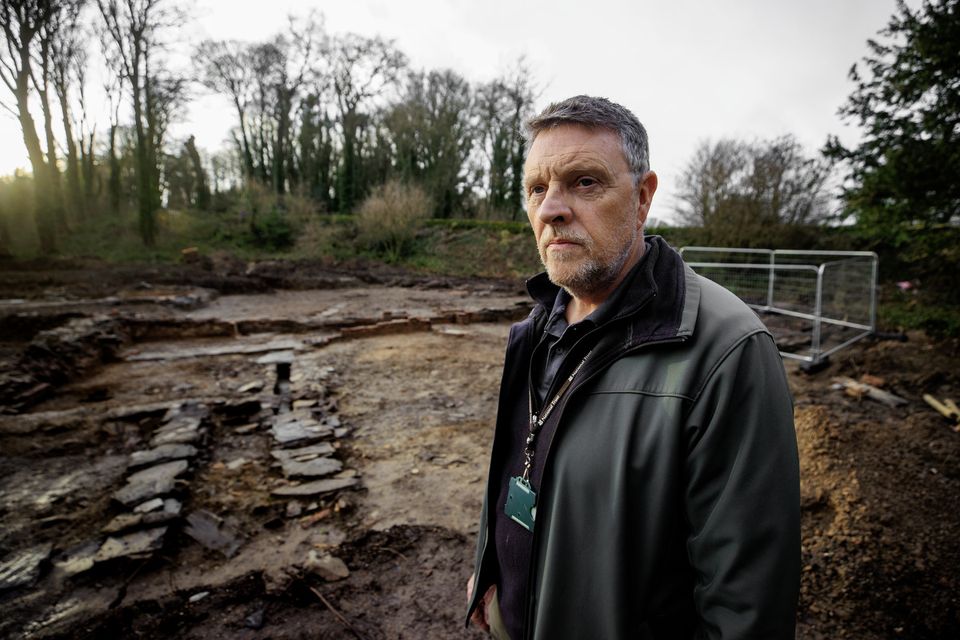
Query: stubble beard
{"points": [[584, 275]]}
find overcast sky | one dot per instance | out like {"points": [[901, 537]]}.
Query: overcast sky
{"points": [[689, 70]]}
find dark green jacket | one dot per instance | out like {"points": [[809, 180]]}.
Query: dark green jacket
{"points": [[669, 505]]}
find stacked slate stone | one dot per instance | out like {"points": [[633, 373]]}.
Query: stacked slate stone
{"points": [[152, 486], [305, 454], [303, 433]]}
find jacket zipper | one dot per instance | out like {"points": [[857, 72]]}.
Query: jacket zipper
{"points": [[478, 588], [598, 368]]}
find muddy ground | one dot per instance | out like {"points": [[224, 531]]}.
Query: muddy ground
{"points": [[394, 377]]}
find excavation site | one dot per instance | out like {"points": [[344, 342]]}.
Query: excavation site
{"points": [[287, 450]]}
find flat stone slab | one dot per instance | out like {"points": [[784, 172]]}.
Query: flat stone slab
{"points": [[277, 357], [149, 505], [183, 430], [125, 521], [314, 488], [315, 468], [162, 453], [150, 482], [211, 531], [251, 387], [139, 544], [205, 352], [303, 431], [302, 454], [22, 569]]}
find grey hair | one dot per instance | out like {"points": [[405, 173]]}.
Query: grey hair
{"points": [[600, 113]]}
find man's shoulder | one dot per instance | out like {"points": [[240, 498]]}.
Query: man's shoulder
{"points": [[721, 312]]}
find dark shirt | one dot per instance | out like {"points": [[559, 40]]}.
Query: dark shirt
{"points": [[557, 353]]}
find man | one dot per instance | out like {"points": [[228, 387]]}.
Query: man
{"points": [[643, 478]]}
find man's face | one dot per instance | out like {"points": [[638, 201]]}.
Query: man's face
{"points": [[586, 210]]}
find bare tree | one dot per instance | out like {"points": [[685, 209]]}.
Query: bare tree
{"points": [[66, 57], [133, 29], [363, 68], [733, 188], [22, 22], [502, 106], [227, 68]]}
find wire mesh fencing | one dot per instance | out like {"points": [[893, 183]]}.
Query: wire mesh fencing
{"points": [[814, 302]]}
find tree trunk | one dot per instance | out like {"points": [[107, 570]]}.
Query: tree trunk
{"points": [[144, 180], [113, 182], [245, 141], [44, 215], [76, 203], [53, 169]]}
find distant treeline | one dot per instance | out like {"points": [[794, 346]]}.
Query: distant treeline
{"points": [[321, 122], [315, 114]]}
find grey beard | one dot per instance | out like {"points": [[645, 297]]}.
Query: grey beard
{"points": [[592, 276]]}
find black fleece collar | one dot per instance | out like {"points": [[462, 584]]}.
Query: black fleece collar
{"points": [[655, 286]]}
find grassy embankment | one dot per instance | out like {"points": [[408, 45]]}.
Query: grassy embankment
{"points": [[499, 249]]}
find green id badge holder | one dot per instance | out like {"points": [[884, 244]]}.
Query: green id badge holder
{"points": [[521, 504]]}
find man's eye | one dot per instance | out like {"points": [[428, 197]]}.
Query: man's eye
{"points": [[536, 190], [586, 182]]}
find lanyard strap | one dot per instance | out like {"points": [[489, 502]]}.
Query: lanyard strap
{"points": [[536, 422]]}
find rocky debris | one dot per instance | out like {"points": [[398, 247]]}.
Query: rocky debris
{"points": [[162, 453], [151, 482], [21, 569], [314, 488], [136, 545], [212, 532], [328, 567], [58, 355], [197, 597]]}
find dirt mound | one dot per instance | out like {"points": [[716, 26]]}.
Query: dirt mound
{"points": [[878, 485]]}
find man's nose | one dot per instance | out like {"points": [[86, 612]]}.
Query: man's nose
{"points": [[554, 208]]}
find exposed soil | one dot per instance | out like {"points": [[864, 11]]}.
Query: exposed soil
{"points": [[407, 371]]}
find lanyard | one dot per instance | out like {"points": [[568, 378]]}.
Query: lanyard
{"points": [[536, 422]]}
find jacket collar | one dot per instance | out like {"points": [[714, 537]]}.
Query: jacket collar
{"points": [[660, 296]]}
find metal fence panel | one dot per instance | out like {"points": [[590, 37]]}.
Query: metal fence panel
{"points": [[814, 302]]}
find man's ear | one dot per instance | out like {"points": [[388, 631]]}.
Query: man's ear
{"points": [[646, 187]]}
